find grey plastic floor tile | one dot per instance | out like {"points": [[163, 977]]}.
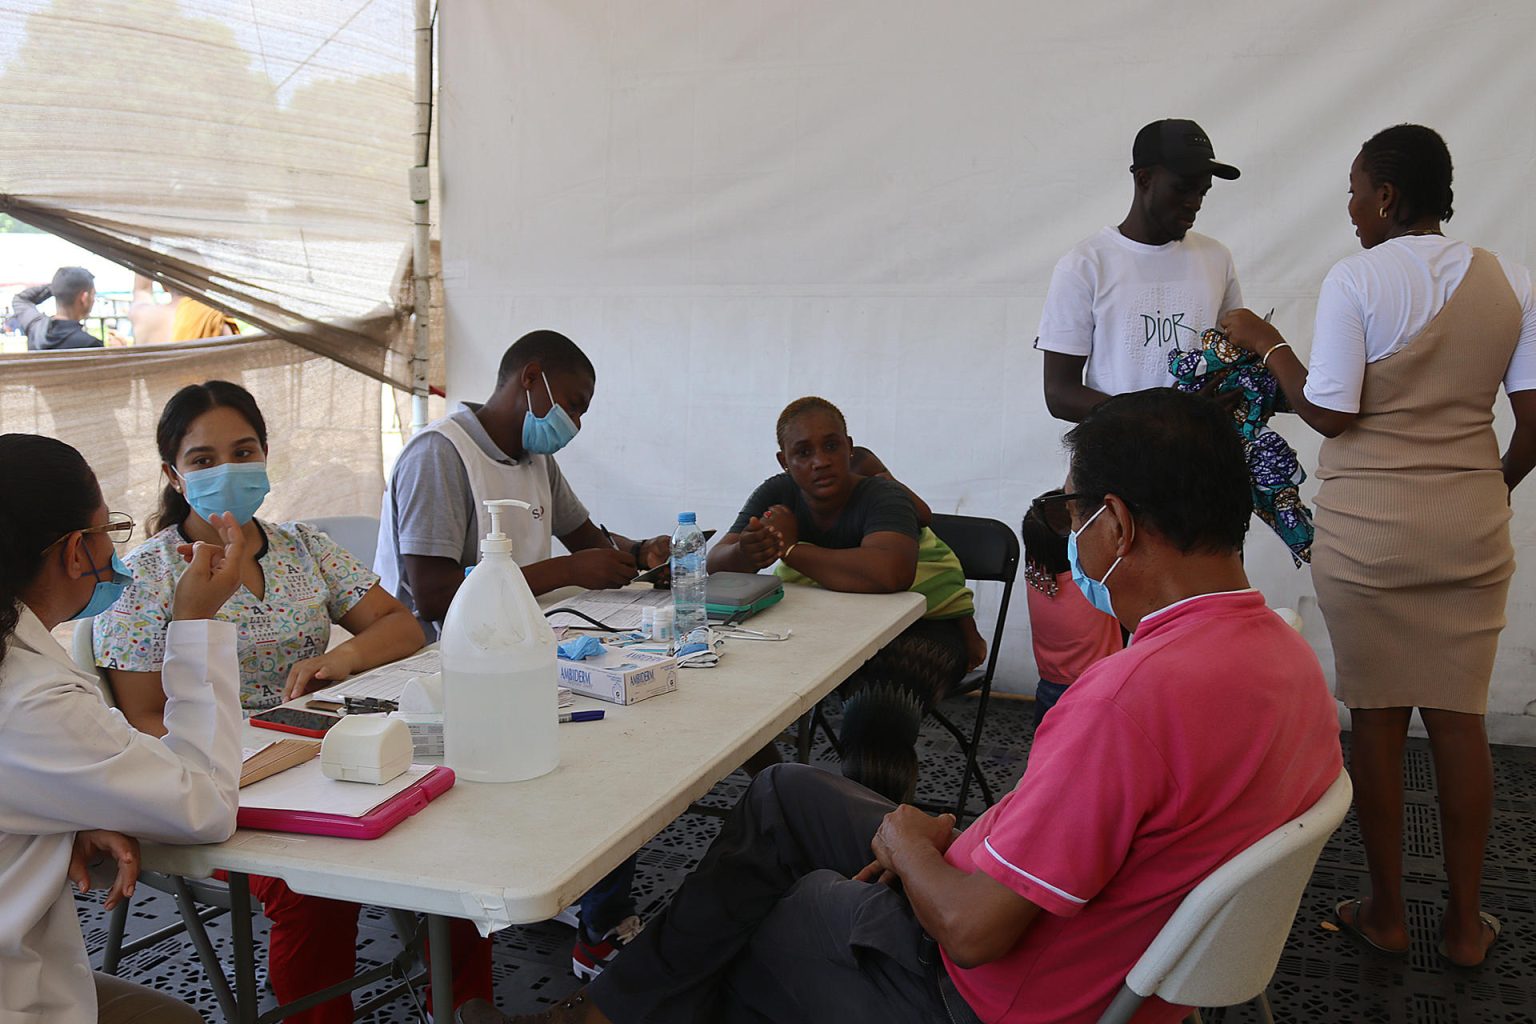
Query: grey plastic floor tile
{"points": [[1323, 976]]}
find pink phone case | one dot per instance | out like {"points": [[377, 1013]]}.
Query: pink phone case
{"points": [[370, 826]]}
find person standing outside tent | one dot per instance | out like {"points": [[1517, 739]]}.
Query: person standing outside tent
{"points": [[181, 319], [1412, 560], [434, 517], [73, 290], [1122, 299]]}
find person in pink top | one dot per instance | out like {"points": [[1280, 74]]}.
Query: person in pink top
{"points": [[1066, 632], [821, 901]]}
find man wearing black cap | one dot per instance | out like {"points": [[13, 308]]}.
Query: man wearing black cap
{"points": [[1121, 300]]}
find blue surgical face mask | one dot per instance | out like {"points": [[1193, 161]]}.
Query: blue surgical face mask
{"points": [[1094, 590], [238, 488], [547, 434], [107, 591]]}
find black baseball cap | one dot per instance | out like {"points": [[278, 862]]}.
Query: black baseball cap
{"points": [[1179, 145]]}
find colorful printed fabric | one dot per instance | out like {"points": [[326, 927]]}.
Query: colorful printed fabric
{"points": [[311, 582], [1275, 471]]}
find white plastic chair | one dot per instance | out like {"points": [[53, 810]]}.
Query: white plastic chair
{"points": [[358, 534], [1222, 945], [84, 655]]}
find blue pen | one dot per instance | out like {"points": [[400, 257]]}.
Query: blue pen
{"points": [[581, 716]]}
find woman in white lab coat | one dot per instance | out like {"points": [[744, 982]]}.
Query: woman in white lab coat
{"points": [[69, 765]]}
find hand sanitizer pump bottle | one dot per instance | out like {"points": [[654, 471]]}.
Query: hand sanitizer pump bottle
{"points": [[500, 682]]}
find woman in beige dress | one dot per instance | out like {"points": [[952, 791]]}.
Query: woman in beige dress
{"points": [[1412, 559]]}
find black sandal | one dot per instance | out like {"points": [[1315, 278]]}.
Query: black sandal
{"points": [[1490, 922], [1353, 930]]}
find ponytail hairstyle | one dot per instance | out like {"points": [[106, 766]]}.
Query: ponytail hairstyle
{"points": [[1416, 161], [49, 491], [180, 413]]}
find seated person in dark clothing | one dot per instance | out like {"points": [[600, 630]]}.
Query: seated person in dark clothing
{"points": [[827, 525], [1159, 765], [74, 293]]}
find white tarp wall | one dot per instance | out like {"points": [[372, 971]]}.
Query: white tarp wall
{"points": [[729, 205]]}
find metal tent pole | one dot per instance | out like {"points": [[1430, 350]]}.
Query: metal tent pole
{"points": [[421, 202]]}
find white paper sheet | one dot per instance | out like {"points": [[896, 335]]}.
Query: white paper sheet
{"points": [[386, 682], [306, 788], [619, 609]]}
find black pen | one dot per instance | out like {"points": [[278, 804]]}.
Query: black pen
{"points": [[608, 537]]}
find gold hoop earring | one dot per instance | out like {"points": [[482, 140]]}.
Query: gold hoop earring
{"points": [[1382, 213]]}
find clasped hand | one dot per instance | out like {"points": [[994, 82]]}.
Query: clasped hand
{"points": [[767, 537], [902, 831]]}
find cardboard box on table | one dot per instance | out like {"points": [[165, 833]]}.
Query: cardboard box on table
{"points": [[619, 676]]}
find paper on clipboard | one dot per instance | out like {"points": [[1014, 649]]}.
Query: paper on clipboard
{"points": [[306, 788]]}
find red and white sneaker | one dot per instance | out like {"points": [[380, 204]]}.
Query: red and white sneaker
{"points": [[588, 959]]}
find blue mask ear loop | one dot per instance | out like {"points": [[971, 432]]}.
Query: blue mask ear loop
{"points": [[1103, 581], [548, 391], [95, 572], [1116, 563]]}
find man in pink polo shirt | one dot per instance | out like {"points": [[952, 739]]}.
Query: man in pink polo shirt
{"points": [[819, 901]]}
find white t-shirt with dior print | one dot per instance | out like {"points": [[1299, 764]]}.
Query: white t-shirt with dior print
{"points": [[1126, 305]]}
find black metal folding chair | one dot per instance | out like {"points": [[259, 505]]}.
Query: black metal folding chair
{"points": [[989, 552]]}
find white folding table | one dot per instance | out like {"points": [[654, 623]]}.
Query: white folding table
{"points": [[518, 853]]}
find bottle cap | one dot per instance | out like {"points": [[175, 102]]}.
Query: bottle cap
{"points": [[496, 541], [687, 517]]}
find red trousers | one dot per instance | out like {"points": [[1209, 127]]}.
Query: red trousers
{"points": [[313, 944]]}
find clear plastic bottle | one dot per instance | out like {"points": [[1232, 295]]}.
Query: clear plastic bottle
{"points": [[689, 577], [500, 681]]}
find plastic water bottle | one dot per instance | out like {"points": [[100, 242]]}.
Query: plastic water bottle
{"points": [[500, 681], [689, 578]]}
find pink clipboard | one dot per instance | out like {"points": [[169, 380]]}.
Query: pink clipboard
{"points": [[370, 826]]}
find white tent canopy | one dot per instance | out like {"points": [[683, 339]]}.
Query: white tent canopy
{"points": [[732, 205], [255, 155]]}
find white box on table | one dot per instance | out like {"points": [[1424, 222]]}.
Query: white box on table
{"points": [[620, 676]]}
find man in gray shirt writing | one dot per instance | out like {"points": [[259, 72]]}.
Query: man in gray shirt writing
{"points": [[434, 518], [434, 513]]}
